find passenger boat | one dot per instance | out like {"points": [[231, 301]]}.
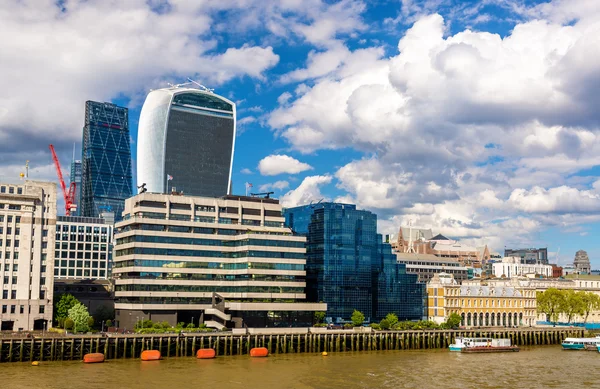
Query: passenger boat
{"points": [[482, 345], [580, 343]]}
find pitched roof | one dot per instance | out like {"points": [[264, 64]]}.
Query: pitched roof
{"points": [[439, 237]]}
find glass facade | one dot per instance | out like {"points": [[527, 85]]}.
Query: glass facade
{"points": [[106, 164], [349, 267]]}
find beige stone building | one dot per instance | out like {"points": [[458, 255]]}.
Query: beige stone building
{"points": [[481, 303], [222, 261], [27, 229]]}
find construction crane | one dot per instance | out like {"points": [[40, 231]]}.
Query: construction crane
{"points": [[266, 194], [69, 196]]}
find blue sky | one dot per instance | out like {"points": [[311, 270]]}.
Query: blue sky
{"points": [[475, 118]]}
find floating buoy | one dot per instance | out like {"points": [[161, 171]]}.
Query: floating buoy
{"points": [[205, 353], [324, 353], [93, 358], [150, 355], [259, 352], [35, 363]]}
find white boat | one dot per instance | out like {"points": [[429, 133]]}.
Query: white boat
{"points": [[482, 345], [580, 343]]}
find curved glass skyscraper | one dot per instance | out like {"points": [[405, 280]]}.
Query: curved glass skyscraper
{"points": [[187, 135]]}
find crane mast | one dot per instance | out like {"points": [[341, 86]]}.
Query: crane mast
{"points": [[69, 196]]}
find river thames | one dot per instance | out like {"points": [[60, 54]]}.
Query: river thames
{"points": [[533, 367]]}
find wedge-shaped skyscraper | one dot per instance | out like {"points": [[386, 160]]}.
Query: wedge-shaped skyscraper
{"points": [[186, 138]]}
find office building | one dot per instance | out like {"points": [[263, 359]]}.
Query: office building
{"points": [[581, 263], [27, 226], [425, 266], [76, 178], [82, 248], [349, 267], [529, 256], [220, 261], [512, 267], [106, 179], [481, 303], [188, 136]]}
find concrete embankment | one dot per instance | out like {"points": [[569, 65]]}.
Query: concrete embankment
{"points": [[226, 343]]}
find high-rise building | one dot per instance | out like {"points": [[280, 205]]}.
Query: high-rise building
{"points": [[220, 261], [529, 256], [27, 227], [76, 178], [185, 141], [349, 267], [106, 162], [83, 248]]}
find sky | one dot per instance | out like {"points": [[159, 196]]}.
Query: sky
{"points": [[479, 119]]}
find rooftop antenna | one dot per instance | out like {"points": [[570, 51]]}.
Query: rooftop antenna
{"points": [[177, 85], [201, 86]]}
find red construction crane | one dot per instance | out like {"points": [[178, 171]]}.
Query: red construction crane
{"points": [[69, 196]]}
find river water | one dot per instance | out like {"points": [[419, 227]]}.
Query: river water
{"points": [[532, 367]]}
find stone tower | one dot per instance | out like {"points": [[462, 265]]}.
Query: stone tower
{"points": [[582, 262]]}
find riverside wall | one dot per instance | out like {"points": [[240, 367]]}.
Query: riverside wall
{"points": [[225, 343]]}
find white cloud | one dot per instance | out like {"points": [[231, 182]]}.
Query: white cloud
{"points": [[246, 171], [562, 199], [273, 165], [279, 185], [308, 191]]}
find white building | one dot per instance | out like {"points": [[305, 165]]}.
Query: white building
{"points": [[27, 227], [83, 248], [512, 267]]}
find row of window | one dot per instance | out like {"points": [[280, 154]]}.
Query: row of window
{"points": [[11, 189], [86, 264], [81, 229], [208, 208], [212, 277], [80, 246], [195, 230], [79, 255], [206, 219], [209, 265], [209, 242], [42, 309], [12, 207], [7, 255], [9, 243], [205, 253], [204, 288], [9, 231], [79, 273], [9, 219], [82, 238]]}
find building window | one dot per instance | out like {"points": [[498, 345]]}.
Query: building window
{"points": [[5, 294], [42, 309], [21, 309], [4, 307], [13, 294], [12, 309], [11, 190]]}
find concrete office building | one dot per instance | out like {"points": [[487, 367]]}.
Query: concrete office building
{"points": [[27, 226], [529, 256], [221, 261], [106, 161], [428, 265], [187, 134], [512, 267], [83, 248]]}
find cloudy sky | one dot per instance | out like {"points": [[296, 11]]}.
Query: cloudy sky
{"points": [[480, 119]]}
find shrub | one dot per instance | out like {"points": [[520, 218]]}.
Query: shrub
{"points": [[376, 326], [190, 325], [165, 324], [320, 325], [357, 318], [385, 324], [90, 322], [69, 323], [348, 325], [109, 323]]}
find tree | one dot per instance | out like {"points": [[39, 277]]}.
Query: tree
{"points": [[392, 319], [357, 318], [571, 304], [319, 316], [90, 321], [384, 324], [109, 323], [80, 316], [68, 324], [453, 321], [103, 313], [550, 303], [61, 308], [590, 301]]}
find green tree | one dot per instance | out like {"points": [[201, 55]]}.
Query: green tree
{"points": [[109, 323], [103, 313], [392, 319], [80, 316], [591, 302], [357, 318], [319, 316], [61, 308], [572, 304], [453, 321], [385, 324], [68, 324], [550, 303]]}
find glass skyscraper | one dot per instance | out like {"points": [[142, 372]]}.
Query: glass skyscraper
{"points": [[106, 161], [188, 135], [349, 267]]}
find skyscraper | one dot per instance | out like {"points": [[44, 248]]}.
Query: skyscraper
{"points": [[76, 178], [188, 135], [349, 267], [106, 163]]}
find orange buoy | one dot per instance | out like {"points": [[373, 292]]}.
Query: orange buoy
{"points": [[150, 355], [93, 358], [259, 352], [205, 353]]}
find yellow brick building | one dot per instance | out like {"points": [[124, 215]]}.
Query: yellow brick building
{"points": [[480, 304]]}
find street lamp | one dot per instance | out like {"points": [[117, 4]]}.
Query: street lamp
{"points": [[192, 321]]}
